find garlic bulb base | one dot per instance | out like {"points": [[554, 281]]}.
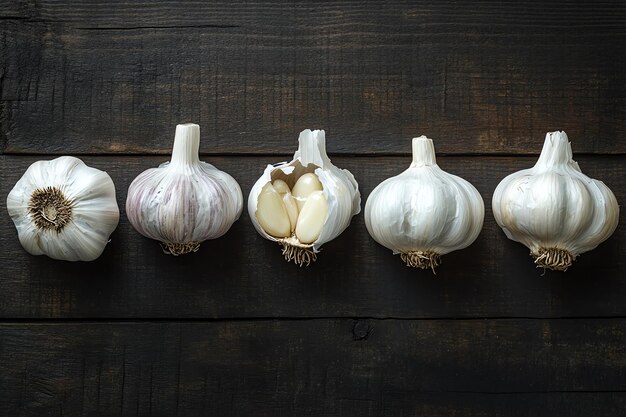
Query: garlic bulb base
{"points": [[180, 248], [50, 209], [301, 254], [422, 260], [553, 258]]}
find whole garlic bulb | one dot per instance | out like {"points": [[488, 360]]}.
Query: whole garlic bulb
{"points": [[304, 203], [553, 208], [424, 212], [64, 209], [185, 201]]}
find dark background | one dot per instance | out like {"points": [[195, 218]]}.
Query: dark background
{"points": [[233, 329]]}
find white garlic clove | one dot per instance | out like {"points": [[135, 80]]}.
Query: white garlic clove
{"points": [[305, 185], [553, 208], [312, 217], [424, 212], [281, 186], [64, 209], [185, 201], [292, 209], [272, 213]]}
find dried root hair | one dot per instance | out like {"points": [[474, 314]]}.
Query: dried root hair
{"points": [[553, 258], [180, 248], [301, 254], [50, 209], [422, 260]]}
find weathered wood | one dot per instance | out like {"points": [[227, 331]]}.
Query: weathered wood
{"points": [[243, 275], [315, 367], [481, 78]]}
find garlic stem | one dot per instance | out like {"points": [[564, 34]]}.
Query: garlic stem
{"points": [[556, 150], [423, 152], [186, 145]]}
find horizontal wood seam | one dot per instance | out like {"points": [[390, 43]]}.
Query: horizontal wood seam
{"points": [[207, 320], [330, 154]]}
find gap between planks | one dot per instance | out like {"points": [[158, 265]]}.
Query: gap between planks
{"points": [[183, 320], [330, 154]]}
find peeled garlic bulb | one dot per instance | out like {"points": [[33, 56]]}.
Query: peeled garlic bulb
{"points": [[185, 201], [64, 209], [318, 200], [424, 212], [553, 208]]}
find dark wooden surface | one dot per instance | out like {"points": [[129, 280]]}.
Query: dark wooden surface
{"points": [[232, 329]]}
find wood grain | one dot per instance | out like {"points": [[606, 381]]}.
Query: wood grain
{"points": [[233, 330], [315, 368], [486, 78], [243, 275]]}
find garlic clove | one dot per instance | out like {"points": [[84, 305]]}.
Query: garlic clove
{"points": [[312, 217], [292, 209], [281, 186], [272, 213], [305, 185]]}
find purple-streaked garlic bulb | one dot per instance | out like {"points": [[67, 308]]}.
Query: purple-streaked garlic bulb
{"points": [[185, 201]]}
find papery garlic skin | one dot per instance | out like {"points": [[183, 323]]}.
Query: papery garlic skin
{"points": [[424, 212], [340, 191], [64, 209], [185, 201], [553, 208]]}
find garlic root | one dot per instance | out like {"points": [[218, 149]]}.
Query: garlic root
{"points": [[553, 258], [301, 254], [422, 260], [180, 248]]}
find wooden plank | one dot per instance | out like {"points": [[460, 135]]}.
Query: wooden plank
{"points": [[244, 275], [488, 78], [315, 367]]}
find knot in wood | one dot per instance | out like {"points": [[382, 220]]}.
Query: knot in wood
{"points": [[361, 330]]}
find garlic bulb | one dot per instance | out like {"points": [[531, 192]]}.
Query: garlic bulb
{"points": [[424, 212], [64, 209], [185, 201], [553, 208], [304, 203]]}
